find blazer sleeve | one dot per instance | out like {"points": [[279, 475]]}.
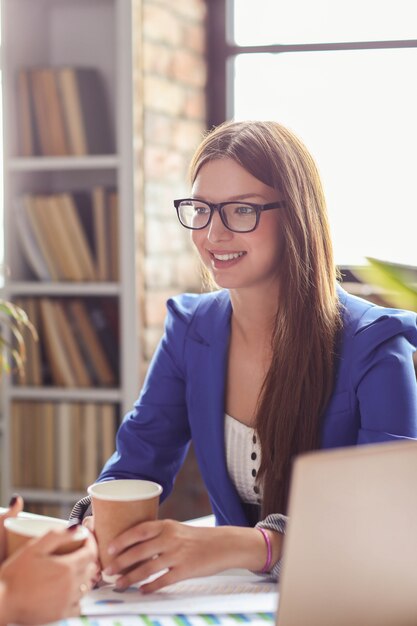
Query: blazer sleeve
{"points": [[153, 438], [384, 377]]}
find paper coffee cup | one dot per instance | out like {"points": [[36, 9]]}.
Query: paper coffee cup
{"points": [[118, 505], [19, 530]]}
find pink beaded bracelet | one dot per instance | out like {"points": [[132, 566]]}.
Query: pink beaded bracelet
{"points": [[268, 561]]}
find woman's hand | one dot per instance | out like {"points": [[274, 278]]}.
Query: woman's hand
{"points": [[185, 551], [16, 505], [88, 522], [42, 587]]}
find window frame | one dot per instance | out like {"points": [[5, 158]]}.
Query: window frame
{"points": [[221, 51]]}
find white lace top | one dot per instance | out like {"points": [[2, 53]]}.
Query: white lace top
{"points": [[243, 457]]}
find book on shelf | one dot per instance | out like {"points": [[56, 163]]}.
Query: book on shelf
{"points": [[71, 347], [49, 117], [104, 315], [63, 111], [28, 137], [91, 451], [70, 351], [49, 461], [43, 211], [64, 249], [32, 221], [32, 370], [86, 111], [17, 444], [113, 230], [107, 432], [81, 248], [64, 445], [70, 236], [32, 243], [60, 446], [77, 452], [98, 212], [100, 233], [59, 365], [101, 367]]}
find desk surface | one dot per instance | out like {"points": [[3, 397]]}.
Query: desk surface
{"points": [[184, 618]]}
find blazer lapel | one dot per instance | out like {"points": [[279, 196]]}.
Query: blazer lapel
{"points": [[207, 359]]}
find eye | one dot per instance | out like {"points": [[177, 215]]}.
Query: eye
{"points": [[201, 209], [244, 209]]}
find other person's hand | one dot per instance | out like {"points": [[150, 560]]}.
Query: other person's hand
{"points": [[16, 505], [43, 587]]}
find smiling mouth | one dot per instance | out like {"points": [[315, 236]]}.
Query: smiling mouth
{"points": [[229, 256]]}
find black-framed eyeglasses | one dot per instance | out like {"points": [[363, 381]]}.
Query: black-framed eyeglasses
{"points": [[239, 217]]}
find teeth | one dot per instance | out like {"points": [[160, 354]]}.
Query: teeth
{"points": [[227, 257]]}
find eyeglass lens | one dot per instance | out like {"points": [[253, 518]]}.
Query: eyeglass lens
{"points": [[236, 215]]}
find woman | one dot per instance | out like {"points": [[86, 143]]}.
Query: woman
{"points": [[279, 361], [38, 587]]}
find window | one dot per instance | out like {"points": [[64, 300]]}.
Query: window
{"points": [[341, 75], [1, 172]]}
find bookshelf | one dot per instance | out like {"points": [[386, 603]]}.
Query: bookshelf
{"points": [[48, 423]]}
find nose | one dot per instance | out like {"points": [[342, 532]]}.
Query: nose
{"points": [[216, 230]]}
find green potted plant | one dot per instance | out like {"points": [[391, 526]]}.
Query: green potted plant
{"points": [[398, 282], [13, 351]]}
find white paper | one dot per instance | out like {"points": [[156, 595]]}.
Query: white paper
{"points": [[212, 595]]}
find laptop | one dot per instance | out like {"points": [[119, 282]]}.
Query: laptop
{"points": [[350, 554]]}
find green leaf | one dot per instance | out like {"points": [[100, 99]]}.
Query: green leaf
{"points": [[394, 279], [16, 320]]}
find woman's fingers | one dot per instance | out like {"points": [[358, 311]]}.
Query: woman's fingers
{"points": [[145, 543], [182, 551], [137, 554], [143, 571], [169, 578], [89, 522], [142, 532]]}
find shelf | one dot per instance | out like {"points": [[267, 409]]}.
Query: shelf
{"points": [[65, 394], [50, 496], [26, 288], [48, 164], [96, 35]]}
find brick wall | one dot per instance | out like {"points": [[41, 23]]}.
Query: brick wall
{"points": [[170, 119], [173, 118]]}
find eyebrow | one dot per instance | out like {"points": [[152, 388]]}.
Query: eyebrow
{"points": [[244, 196]]}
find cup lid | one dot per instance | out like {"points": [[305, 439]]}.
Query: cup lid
{"points": [[34, 527], [124, 490]]}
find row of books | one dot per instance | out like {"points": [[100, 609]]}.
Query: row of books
{"points": [[78, 342], [63, 111], [70, 236], [60, 445]]}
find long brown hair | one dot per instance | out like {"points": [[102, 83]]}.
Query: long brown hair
{"points": [[300, 379]]}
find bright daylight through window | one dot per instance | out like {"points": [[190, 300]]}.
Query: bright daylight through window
{"points": [[1, 172], [355, 109]]}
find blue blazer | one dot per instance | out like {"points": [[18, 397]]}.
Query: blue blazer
{"points": [[182, 399]]}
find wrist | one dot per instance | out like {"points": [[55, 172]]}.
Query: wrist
{"points": [[246, 547], [268, 544], [271, 542]]}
